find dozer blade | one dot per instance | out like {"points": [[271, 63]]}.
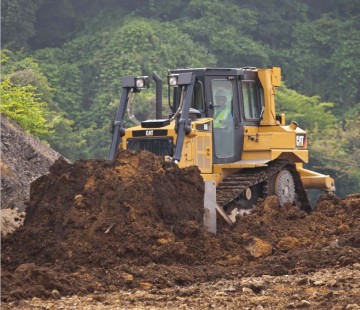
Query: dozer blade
{"points": [[211, 207]]}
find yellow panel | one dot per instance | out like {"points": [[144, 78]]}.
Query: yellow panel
{"points": [[212, 177], [187, 154], [283, 140], [291, 155], [256, 155], [244, 164], [197, 148], [267, 141], [276, 76], [270, 137], [269, 117], [203, 157]]}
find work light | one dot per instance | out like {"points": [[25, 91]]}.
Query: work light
{"points": [[173, 80], [141, 82]]}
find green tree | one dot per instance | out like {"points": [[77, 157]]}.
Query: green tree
{"points": [[28, 98], [17, 22], [86, 73], [309, 112], [65, 139], [27, 72], [20, 97], [337, 151], [275, 21], [323, 60], [21, 104], [223, 28], [55, 21], [316, 44]]}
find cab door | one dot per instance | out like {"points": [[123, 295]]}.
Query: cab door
{"points": [[228, 131]]}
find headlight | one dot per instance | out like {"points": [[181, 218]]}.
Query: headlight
{"points": [[173, 80], [139, 83], [136, 82]]}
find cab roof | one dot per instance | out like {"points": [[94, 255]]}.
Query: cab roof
{"points": [[217, 71]]}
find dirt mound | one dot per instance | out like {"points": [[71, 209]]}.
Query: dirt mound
{"points": [[283, 240], [23, 159], [93, 214], [137, 222]]}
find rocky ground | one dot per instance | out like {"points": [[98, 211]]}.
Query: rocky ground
{"points": [[332, 288], [24, 158], [11, 219]]}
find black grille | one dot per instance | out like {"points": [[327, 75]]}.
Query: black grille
{"points": [[160, 146]]}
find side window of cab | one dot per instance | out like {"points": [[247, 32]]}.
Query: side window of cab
{"points": [[197, 101], [252, 100]]}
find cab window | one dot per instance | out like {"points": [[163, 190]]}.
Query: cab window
{"points": [[224, 128], [197, 101], [252, 106]]}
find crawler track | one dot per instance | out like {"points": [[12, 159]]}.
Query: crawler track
{"points": [[235, 185]]}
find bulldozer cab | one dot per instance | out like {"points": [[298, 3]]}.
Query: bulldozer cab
{"points": [[233, 98]]}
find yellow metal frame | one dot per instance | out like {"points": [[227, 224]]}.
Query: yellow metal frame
{"points": [[315, 180], [271, 142]]}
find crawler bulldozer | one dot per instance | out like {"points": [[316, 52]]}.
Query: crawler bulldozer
{"points": [[244, 151]]}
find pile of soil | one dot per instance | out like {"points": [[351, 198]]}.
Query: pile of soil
{"points": [[102, 214], [24, 158], [137, 223], [285, 240]]}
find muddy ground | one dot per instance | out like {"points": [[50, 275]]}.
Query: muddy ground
{"points": [[132, 231]]}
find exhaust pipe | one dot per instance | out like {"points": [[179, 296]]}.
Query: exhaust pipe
{"points": [[158, 102]]}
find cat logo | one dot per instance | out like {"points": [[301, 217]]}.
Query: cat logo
{"points": [[149, 132]]}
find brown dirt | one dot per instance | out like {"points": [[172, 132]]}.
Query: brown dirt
{"points": [[333, 288], [97, 226]]}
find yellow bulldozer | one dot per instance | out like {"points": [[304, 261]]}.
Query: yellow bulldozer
{"points": [[223, 120]]}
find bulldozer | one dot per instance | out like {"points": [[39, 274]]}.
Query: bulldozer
{"points": [[223, 121]]}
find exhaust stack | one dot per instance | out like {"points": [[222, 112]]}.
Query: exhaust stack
{"points": [[158, 102]]}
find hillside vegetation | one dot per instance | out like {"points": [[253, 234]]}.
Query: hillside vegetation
{"points": [[65, 58]]}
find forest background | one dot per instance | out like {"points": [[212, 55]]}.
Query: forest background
{"points": [[62, 63]]}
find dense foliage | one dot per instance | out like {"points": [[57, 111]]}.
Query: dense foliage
{"points": [[71, 55], [21, 104]]}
